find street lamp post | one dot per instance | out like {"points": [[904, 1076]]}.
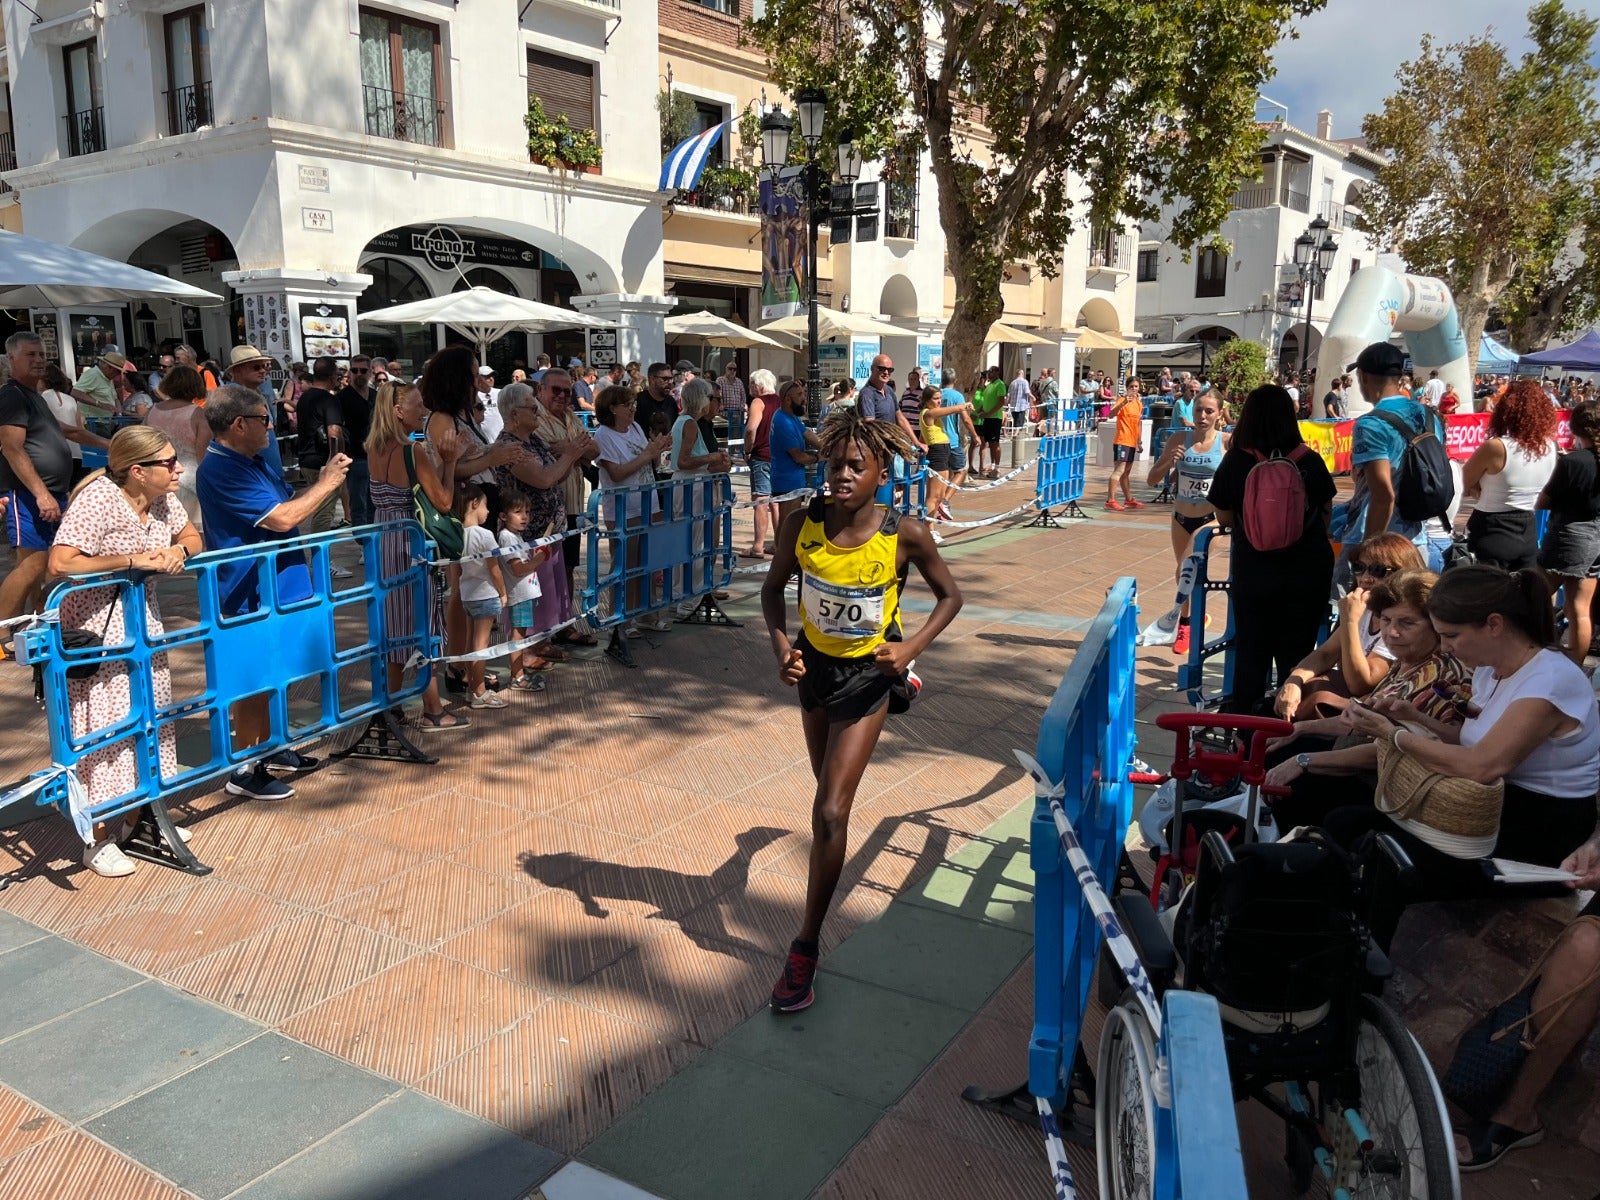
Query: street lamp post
{"points": [[811, 107], [1314, 252]]}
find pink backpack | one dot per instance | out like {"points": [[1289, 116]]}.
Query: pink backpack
{"points": [[1274, 512]]}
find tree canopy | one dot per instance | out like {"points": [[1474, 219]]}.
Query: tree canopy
{"points": [[1491, 182], [1149, 105]]}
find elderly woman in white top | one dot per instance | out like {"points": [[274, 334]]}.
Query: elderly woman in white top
{"points": [[691, 456]]}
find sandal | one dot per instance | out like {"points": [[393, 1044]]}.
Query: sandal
{"points": [[1490, 1142], [576, 639], [529, 683], [537, 665], [554, 655], [443, 722]]}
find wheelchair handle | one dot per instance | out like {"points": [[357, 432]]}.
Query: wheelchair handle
{"points": [[1251, 767]]}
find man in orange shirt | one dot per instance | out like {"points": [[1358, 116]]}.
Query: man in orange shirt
{"points": [[1128, 413]]}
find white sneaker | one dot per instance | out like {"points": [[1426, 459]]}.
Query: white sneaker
{"points": [[340, 573], [106, 858], [488, 699]]}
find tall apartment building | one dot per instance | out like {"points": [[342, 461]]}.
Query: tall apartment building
{"points": [[313, 160], [1253, 289]]}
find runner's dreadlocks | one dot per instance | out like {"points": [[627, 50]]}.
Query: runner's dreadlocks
{"points": [[881, 439]]}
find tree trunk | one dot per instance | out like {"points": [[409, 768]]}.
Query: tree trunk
{"points": [[1484, 286], [977, 307], [1544, 320]]}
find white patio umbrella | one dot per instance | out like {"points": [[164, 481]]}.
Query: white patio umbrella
{"points": [[712, 330], [831, 323], [1014, 335], [39, 274], [484, 314]]}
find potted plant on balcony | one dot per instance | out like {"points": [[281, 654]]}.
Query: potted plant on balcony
{"points": [[727, 187], [554, 142]]}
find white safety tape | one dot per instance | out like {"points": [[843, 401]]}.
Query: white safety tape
{"points": [[1001, 481], [1056, 1151], [499, 650], [52, 614], [1019, 509], [802, 494], [77, 797], [1116, 941], [548, 539]]}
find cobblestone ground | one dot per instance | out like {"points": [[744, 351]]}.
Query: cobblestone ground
{"points": [[556, 944]]}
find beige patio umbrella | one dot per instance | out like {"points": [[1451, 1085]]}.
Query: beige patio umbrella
{"points": [[712, 330], [831, 323], [1093, 339], [1011, 335]]}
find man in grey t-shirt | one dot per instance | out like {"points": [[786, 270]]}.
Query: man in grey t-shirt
{"points": [[35, 470]]}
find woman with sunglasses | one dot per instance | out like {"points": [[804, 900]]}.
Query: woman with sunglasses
{"points": [[1196, 458], [1355, 659], [124, 518]]}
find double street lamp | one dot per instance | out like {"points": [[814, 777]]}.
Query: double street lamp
{"points": [[777, 129], [1314, 251]]}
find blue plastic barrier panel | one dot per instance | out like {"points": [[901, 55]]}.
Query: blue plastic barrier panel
{"points": [[661, 544]]}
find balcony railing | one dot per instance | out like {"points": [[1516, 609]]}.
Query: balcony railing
{"points": [[86, 131], [188, 108], [8, 152], [1262, 196], [403, 117], [1333, 213], [1109, 252]]}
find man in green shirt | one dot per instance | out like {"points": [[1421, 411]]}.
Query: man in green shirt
{"points": [[987, 404]]}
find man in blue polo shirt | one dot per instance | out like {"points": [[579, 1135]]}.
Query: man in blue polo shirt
{"points": [[245, 502], [1376, 448]]}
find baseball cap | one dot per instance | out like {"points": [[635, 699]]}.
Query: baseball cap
{"points": [[486, 371], [1380, 358], [574, 363]]}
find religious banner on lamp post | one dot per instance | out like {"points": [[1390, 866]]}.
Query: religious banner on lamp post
{"points": [[785, 250]]}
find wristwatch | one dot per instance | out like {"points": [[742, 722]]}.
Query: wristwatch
{"points": [[1303, 761]]}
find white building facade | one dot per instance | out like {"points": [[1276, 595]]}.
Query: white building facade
{"points": [[1254, 290], [312, 160]]}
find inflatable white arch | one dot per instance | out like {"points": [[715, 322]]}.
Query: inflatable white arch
{"points": [[1378, 303]]}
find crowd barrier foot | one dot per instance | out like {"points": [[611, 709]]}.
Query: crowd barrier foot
{"points": [[155, 839], [384, 739], [1164, 496], [1076, 1119], [617, 648], [709, 612]]}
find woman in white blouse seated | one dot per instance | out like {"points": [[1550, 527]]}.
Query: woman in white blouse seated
{"points": [[1532, 722]]}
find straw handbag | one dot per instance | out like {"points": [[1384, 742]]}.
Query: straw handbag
{"points": [[1460, 808]]}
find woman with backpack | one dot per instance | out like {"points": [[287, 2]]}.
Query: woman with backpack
{"points": [[1275, 493]]}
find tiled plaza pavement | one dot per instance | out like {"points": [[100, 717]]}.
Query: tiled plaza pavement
{"points": [[557, 943]]}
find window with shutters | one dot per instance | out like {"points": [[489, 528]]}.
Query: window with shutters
{"points": [[402, 79], [565, 86]]}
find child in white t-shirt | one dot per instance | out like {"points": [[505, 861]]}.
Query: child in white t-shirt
{"points": [[482, 587], [515, 512]]}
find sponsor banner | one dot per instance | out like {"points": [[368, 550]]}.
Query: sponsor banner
{"points": [[1331, 440], [1465, 432]]}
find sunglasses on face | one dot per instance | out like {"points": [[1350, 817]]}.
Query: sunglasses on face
{"points": [[1373, 569], [170, 464], [262, 417], [360, 371], [560, 391]]}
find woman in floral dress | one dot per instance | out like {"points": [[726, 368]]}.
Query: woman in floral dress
{"points": [[125, 518]]}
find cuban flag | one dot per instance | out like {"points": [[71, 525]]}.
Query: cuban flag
{"points": [[681, 169]]}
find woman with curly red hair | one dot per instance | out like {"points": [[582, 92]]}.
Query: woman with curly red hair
{"points": [[1506, 475]]}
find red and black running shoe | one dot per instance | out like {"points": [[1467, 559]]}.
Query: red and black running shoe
{"points": [[794, 991]]}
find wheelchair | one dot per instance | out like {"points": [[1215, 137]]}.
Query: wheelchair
{"points": [[1281, 935]]}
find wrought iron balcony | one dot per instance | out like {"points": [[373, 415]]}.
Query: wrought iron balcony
{"points": [[86, 131], [8, 152], [1261, 195], [404, 117], [189, 108], [1111, 252]]}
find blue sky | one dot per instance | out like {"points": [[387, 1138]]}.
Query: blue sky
{"points": [[1347, 54]]}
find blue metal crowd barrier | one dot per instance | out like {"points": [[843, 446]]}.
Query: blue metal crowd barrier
{"points": [[1085, 750], [679, 534], [331, 650], [1063, 462], [1202, 648], [909, 494]]}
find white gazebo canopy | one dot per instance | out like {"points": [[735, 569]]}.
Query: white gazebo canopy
{"points": [[485, 315]]}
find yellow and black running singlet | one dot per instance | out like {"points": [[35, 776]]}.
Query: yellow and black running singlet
{"points": [[849, 596]]}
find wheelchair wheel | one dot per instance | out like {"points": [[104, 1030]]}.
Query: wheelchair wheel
{"points": [[1413, 1156], [1125, 1117]]}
